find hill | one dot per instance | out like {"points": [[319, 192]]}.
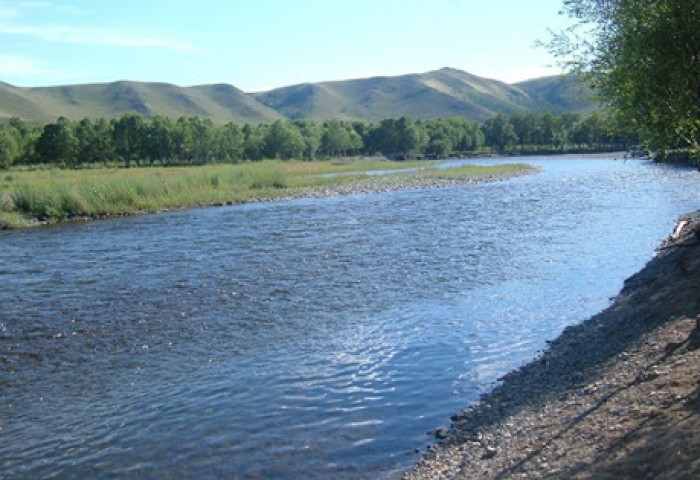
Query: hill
{"points": [[437, 94], [221, 103], [565, 94], [441, 93]]}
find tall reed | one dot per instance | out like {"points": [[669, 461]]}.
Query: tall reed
{"points": [[64, 195]]}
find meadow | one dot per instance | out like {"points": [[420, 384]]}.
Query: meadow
{"points": [[49, 195]]}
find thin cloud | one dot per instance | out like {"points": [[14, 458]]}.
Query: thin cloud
{"points": [[16, 65], [16, 9], [6, 13], [32, 4], [16, 69], [97, 36], [20, 7]]}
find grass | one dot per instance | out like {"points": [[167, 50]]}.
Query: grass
{"points": [[324, 168], [473, 171], [51, 195]]}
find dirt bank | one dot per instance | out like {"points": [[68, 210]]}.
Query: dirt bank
{"points": [[614, 397]]}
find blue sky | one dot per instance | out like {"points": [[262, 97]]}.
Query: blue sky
{"points": [[262, 44]]}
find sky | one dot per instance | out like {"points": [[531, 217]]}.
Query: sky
{"points": [[257, 45]]}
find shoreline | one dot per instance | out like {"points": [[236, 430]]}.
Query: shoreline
{"points": [[616, 396], [391, 182]]}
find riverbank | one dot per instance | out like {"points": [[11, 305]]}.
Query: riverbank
{"points": [[31, 198], [614, 397]]}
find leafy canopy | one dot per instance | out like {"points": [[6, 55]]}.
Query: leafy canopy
{"points": [[643, 57]]}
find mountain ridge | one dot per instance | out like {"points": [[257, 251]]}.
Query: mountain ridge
{"points": [[447, 92]]}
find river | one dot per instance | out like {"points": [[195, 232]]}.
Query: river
{"points": [[313, 338]]}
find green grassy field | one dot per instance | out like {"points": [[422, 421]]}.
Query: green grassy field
{"points": [[30, 197]]}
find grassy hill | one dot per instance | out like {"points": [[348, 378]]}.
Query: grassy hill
{"points": [[221, 103], [565, 94], [441, 93]]}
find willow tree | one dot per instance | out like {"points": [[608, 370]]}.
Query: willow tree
{"points": [[643, 57]]}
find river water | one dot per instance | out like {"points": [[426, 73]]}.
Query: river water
{"points": [[314, 338]]}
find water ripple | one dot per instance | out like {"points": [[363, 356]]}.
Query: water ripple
{"points": [[315, 338]]}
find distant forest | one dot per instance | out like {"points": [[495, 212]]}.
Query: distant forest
{"points": [[134, 140]]}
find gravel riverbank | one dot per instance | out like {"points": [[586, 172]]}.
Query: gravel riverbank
{"points": [[614, 397], [403, 181]]}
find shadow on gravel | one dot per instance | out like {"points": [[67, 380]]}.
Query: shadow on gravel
{"points": [[667, 288], [666, 440], [667, 447]]}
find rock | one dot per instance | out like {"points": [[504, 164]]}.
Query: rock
{"points": [[442, 432], [490, 452]]}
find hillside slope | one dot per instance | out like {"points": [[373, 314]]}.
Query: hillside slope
{"points": [[220, 103], [566, 94], [441, 93], [437, 94]]}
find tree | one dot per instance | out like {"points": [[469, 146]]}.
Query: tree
{"points": [[128, 136], [26, 136], [283, 140], [441, 138], [472, 138], [254, 142], [382, 137], [183, 143], [643, 58], [525, 128], [57, 143], [311, 135], [339, 138], [589, 131], [499, 132], [201, 134], [397, 136], [9, 147], [229, 143], [549, 127], [409, 136], [94, 141]]}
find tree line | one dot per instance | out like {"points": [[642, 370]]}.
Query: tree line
{"points": [[132, 139], [642, 58]]}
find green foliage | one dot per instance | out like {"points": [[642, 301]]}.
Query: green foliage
{"points": [[311, 134], [9, 146], [57, 144], [339, 139], [136, 140], [229, 143], [499, 132], [283, 140], [128, 134], [642, 57]]}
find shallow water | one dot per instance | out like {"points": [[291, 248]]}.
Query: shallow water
{"points": [[312, 338]]}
